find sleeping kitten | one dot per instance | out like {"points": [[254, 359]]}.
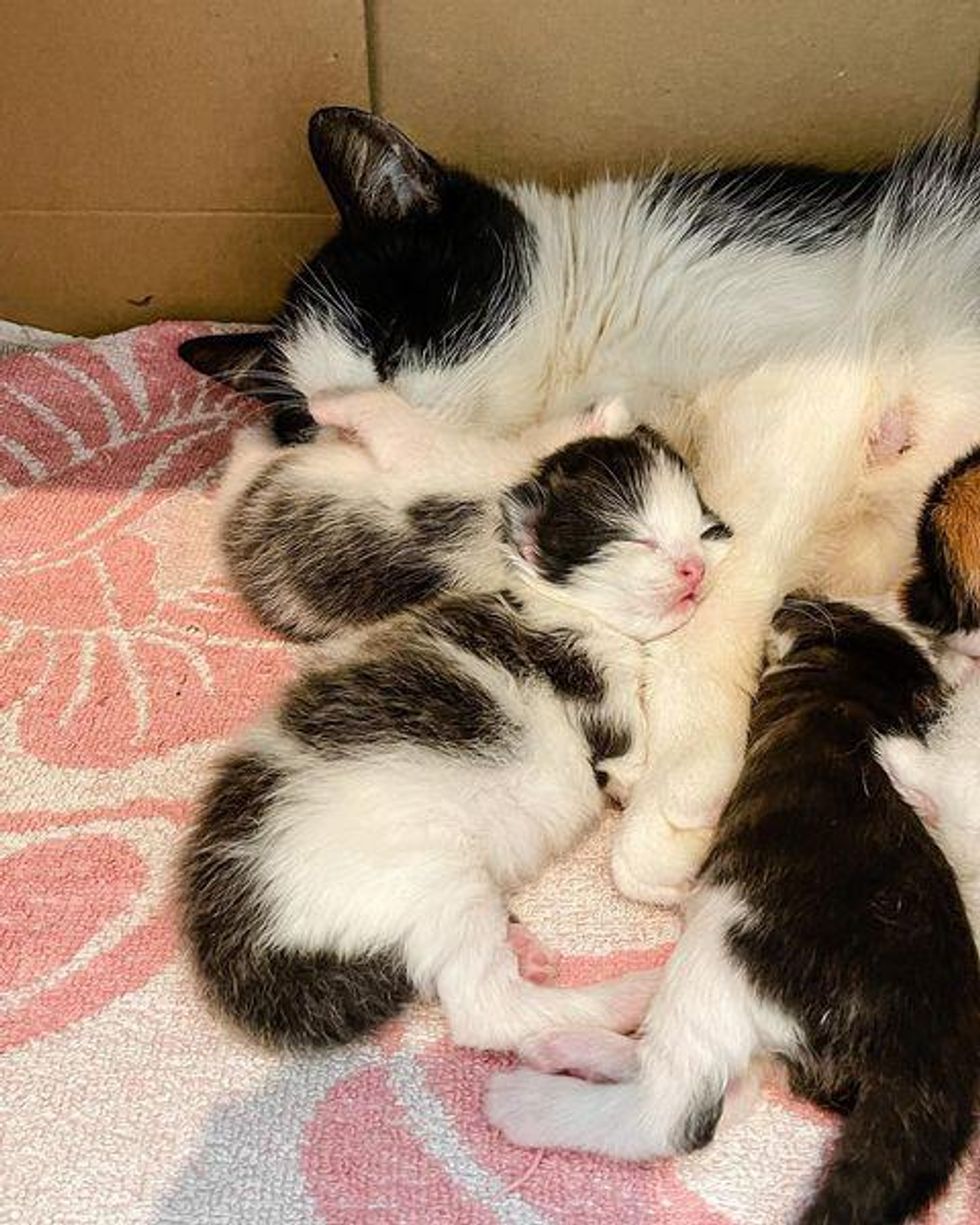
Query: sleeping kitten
{"points": [[939, 775], [355, 849], [810, 336], [827, 930], [383, 510], [944, 592]]}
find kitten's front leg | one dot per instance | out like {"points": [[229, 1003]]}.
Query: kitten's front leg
{"points": [[781, 447], [621, 775], [700, 684]]}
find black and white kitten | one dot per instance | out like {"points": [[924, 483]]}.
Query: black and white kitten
{"points": [[357, 846], [383, 510], [810, 338], [827, 929]]}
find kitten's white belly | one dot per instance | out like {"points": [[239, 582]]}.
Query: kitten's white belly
{"points": [[356, 850]]}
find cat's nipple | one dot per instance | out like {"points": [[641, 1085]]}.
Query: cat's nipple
{"points": [[892, 435]]}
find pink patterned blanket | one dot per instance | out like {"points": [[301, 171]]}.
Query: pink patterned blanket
{"points": [[126, 665]]}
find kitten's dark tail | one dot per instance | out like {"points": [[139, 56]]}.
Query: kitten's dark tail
{"points": [[896, 1151], [294, 999]]}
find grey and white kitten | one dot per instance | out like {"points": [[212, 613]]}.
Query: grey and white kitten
{"points": [[356, 848], [384, 509]]}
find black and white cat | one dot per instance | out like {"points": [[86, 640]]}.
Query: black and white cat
{"points": [[809, 340], [827, 929], [356, 847]]}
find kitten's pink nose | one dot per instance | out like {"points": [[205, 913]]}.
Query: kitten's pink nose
{"points": [[690, 570]]}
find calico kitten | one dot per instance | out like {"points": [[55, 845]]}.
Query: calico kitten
{"points": [[845, 302], [939, 774], [355, 848], [383, 510], [827, 929], [944, 592]]}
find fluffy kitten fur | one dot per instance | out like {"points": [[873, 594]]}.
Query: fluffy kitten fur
{"points": [[939, 775], [383, 510], [827, 930], [808, 339], [356, 847], [944, 591]]}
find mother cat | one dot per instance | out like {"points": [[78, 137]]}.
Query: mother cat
{"points": [[809, 339]]}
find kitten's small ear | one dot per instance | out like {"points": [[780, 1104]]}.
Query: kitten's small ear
{"points": [[235, 358], [906, 762], [372, 170], [520, 510], [609, 418]]}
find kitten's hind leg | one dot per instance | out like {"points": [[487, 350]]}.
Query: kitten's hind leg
{"points": [[462, 948], [535, 962], [704, 1026], [590, 1054]]}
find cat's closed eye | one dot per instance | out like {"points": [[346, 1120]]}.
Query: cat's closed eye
{"points": [[717, 531]]}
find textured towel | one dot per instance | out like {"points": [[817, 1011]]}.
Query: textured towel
{"points": [[126, 664]]}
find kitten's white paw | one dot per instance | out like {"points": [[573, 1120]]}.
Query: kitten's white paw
{"points": [[744, 1095], [627, 1000], [590, 1054], [655, 862], [518, 1104], [535, 961], [610, 417]]}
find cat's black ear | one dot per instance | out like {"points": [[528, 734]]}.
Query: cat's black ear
{"points": [[372, 170], [244, 361], [240, 359], [520, 510]]}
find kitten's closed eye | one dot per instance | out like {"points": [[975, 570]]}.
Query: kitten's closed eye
{"points": [[717, 531]]}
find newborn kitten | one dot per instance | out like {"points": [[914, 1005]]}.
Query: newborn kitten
{"points": [[355, 849], [944, 591], [939, 775], [384, 510], [827, 929]]}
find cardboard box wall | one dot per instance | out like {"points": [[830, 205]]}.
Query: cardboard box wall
{"points": [[154, 161]]}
